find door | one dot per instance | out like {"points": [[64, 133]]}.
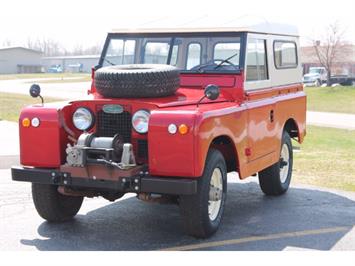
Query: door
{"points": [[262, 135]]}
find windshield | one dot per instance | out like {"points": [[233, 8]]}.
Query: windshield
{"points": [[315, 70], [189, 54]]}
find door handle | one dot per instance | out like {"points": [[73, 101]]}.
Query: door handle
{"points": [[272, 116]]}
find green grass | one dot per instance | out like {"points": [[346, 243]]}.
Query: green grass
{"points": [[11, 104], [326, 159], [338, 99], [44, 75]]}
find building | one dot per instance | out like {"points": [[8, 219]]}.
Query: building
{"points": [[343, 65], [19, 60], [78, 63]]}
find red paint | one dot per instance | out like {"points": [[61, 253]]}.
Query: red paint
{"points": [[247, 151]]}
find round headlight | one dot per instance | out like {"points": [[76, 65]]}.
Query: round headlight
{"points": [[140, 121], [83, 118]]}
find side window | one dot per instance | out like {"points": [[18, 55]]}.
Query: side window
{"points": [[193, 55], [285, 54], [256, 60]]}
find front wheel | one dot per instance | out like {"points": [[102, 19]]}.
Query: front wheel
{"points": [[275, 180], [202, 213], [53, 206]]}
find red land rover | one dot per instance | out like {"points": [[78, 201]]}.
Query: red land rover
{"points": [[171, 112]]}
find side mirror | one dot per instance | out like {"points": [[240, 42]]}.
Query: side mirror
{"points": [[212, 92], [35, 90]]}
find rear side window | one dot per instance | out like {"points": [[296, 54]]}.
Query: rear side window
{"points": [[285, 54]]}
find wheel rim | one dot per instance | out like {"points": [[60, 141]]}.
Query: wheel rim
{"points": [[284, 163], [215, 194]]}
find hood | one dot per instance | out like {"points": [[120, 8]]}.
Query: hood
{"points": [[183, 96]]}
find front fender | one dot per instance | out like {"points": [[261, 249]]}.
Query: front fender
{"points": [[171, 154], [224, 120], [185, 155]]}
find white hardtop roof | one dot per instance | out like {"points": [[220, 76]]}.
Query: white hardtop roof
{"points": [[209, 24]]}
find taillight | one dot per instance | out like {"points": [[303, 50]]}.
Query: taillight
{"points": [[92, 73], [92, 89]]}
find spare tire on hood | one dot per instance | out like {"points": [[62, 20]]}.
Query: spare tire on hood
{"points": [[137, 81]]}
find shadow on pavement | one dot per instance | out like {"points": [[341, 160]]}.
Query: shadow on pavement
{"points": [[135, 225]]}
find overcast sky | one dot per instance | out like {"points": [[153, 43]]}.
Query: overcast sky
{"points": [[86, 22]]}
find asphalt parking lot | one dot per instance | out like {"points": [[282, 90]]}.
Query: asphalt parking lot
{"points": [[305, 218]]}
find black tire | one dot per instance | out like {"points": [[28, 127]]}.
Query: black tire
{"points": [[53, 206], [137, 81], [270, 178], [194, 208]]}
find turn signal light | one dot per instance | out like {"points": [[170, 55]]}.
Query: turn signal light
{"points": [[26, 122], [183, 129]]}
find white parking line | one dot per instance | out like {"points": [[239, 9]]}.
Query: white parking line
{"points": [[259, 238]]}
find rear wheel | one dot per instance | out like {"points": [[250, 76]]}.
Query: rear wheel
{"points": [[275, 180], [53, 206], [202, 213]]}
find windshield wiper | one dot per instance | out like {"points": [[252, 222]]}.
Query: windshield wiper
{"points": [[108, 61], [226, 60]]}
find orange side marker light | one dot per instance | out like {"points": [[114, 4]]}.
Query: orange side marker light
{"points": [[183, 129], [26, 122]]}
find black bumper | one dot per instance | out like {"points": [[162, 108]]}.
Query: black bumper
{"points": [[138, 184]]}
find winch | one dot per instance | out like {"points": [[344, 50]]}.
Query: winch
{"points": [[91, 149]]}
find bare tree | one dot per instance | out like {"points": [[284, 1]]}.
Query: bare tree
{"points": [[48, 47], [6, 43], [93, 50], [329, 48]]}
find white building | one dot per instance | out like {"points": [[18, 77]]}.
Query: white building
{"points": [[19, 60]]}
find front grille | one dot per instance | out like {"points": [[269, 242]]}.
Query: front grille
{"points": [[109, 125], [142, 148]]}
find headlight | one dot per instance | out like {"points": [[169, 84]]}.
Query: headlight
{"points": [[83, 118], [140, 121]]}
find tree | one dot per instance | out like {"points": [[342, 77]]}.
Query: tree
{"points": [[329, 48], [47, 46], [7, 43]]}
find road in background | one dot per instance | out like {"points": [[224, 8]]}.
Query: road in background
{"points": [[74, 90], [327, 119]]}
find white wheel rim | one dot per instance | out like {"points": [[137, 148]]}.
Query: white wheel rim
{"points": [[284, 163], [215, 205]]}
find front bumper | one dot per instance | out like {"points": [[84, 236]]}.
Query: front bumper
{"points": [[139, 183]]}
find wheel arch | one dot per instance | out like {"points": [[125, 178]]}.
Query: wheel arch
{"points": [[292, 128], [225, 145]]}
